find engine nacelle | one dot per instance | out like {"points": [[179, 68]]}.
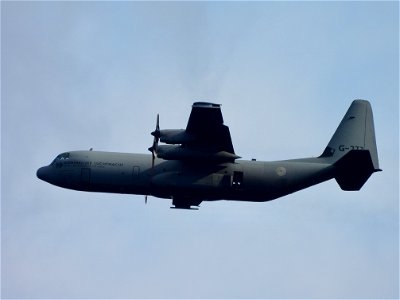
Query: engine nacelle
{"points": [[175, 136]]}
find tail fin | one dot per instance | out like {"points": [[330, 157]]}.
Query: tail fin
{"points": [[352, 148]]}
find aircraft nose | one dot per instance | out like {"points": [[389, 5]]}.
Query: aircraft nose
{"points": [[42, 173]]}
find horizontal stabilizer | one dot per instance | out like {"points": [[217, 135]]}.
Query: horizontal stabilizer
{"points": [[354, 169]]}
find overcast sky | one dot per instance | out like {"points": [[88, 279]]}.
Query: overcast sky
{"points": [[77, 75]]}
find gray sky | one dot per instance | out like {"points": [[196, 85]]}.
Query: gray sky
{"points": [[95, 74]]}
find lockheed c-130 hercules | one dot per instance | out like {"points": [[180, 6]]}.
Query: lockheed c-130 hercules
{"points": [[199, 163]]}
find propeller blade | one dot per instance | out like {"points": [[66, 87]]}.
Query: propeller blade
{"points": [[158, 123], [156, 133], [153, 158], [153, 148]]}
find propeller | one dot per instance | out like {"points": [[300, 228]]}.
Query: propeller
{"points": [[153, 148]]}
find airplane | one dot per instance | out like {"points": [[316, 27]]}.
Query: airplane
{"points": [[199, 163]]}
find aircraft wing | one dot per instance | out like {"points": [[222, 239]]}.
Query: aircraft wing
{"points": [[205, 137], [207, 128]]}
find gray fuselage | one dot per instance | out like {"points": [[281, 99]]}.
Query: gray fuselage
{"points": [[127, 173]]}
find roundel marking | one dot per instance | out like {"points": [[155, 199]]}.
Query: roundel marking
{"points": [[280, 171]]}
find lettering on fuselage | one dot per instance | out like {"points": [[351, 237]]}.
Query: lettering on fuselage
{"points": [[103, 164], [351, 147], [100, 164], [76, 163]]}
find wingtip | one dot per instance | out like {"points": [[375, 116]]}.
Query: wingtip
{"points": [[206, 105]]}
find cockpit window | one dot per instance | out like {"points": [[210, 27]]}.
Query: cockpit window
{"points": [[63, 156], [60, 158]]}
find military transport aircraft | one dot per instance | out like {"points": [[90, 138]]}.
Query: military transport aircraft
{"points": [[199, 163]]}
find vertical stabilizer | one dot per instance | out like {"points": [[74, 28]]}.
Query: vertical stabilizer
{"points": [[352, 148]]}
